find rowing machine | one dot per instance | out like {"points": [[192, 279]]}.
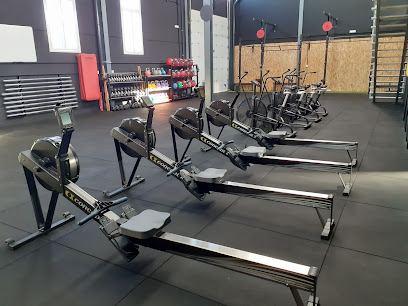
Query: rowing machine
{"points": [[56, 166], [187, 123], [220, 113], [133, 137]]}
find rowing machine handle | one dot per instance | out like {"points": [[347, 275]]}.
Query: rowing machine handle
{"points": [[178, 167], [97, 212], [224, 145]]}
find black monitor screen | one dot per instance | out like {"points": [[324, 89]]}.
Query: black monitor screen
{"points": [[147, 101], [66, 119]]}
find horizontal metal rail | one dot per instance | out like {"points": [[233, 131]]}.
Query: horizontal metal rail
{"points": [[37, 79], [42, 99], [36, 112], [40, 103], [37, 95], [37, 83], [39, 107]]}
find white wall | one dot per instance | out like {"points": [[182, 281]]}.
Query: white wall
{"points": [[220, 52]]}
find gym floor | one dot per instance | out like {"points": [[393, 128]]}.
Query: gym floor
{"points": [[365, 262]]}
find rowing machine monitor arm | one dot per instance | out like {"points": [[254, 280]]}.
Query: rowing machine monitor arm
{"points": [[66, 122], [201, 96], [148, 103]]}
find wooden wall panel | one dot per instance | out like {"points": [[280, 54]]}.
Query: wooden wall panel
{"points": [[348, 66]]}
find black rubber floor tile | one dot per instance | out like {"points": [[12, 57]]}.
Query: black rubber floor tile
{"points": [[372, 188], [358, 279], [91, 167], [7, 256], [232, 288], [265, 242], [372, 229], [14, 189], [152, 292], [22, 216], [355, 116], [184, 222], [110, 180], [57, 275], [386, 161], [389, 137], [327, 154], [94, 144], [298, 221], [172, 193]]}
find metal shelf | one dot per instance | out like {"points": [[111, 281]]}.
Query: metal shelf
{"points": [[124, 97], [160, 89], [126, 82]]}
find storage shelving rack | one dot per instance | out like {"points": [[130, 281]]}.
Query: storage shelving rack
{"points": [[129, 81], [157, 90], [181, 93]]}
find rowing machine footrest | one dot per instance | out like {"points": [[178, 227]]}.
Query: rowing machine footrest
{"points": [[145, 225], [210, 175], [253, 151], [277, 134]]}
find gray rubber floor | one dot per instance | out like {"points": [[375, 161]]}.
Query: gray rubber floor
{"points": [[365, 262]]}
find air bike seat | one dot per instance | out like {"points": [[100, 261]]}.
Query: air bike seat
{"points": [[145, 225], [210, 175]]}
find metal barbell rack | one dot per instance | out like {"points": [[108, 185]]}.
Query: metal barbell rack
{"points": [[37, 95]]}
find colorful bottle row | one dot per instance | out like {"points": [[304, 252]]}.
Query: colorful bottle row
{"points": [[159, 97], [184, 84], [155, 71], [179, 62], [158, 84]]}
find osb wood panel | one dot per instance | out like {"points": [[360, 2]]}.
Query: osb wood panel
{"points": [[348, 66]]}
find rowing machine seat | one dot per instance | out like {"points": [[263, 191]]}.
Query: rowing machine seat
{"points": [[210, 175], [145, 225], [277, 134], [253, 151]]}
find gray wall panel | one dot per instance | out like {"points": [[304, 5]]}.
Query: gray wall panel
{"points": [[160, 42]]}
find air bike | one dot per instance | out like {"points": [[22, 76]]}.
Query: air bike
{"points": [[221, 113], [55, 164], [187, 123]]}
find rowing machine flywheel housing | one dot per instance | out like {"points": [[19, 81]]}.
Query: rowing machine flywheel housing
{"points": [[223, 108], [188, 115], [135, 127], [46, 150]]}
